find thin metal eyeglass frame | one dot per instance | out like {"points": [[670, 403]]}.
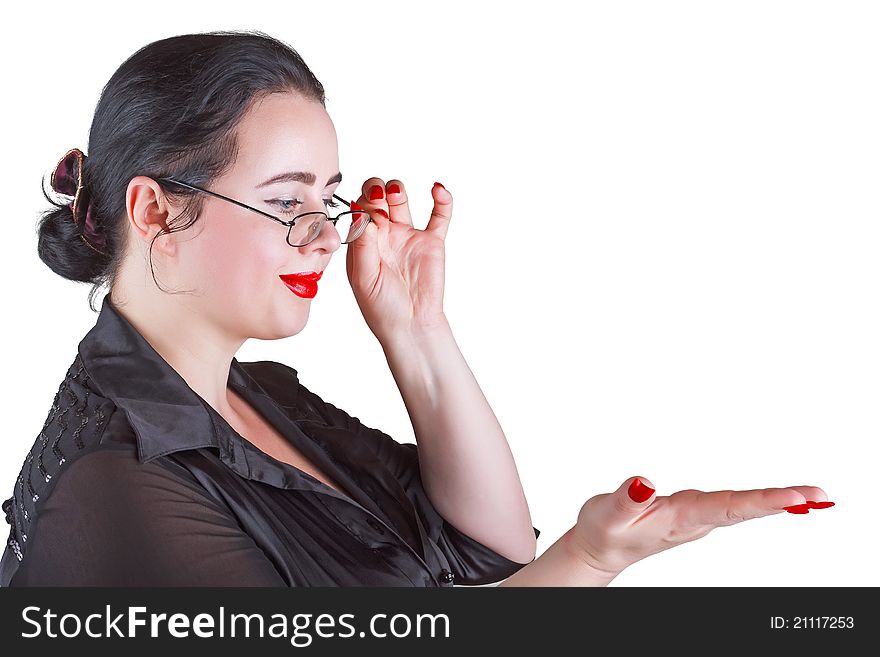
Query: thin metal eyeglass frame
{"points": [[289, 223]]}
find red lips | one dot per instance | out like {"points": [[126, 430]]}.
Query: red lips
{"points": [[304, 284]]}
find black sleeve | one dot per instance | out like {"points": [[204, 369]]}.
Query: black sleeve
{"points": [[473, 563], [111, 520]]}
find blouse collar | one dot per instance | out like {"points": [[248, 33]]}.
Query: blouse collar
{"points": [[155, 398]]}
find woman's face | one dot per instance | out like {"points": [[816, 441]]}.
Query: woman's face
{"points": [[235, 256]]}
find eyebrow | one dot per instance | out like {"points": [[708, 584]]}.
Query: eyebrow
{"points": [[306, 177]]}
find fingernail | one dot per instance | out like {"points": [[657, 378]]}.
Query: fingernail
{"points": [[798, 508], [639, 491], [436, 184], [376, 192], [382, 212], [806, 506], [394, 188], [355, 206]]}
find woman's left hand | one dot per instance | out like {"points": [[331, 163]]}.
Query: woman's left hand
{"points": [[397, 271]]}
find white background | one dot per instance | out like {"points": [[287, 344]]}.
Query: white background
{"points": [[662, 260]]}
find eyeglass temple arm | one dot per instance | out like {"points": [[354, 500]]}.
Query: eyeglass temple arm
{"points": [[242, 205], [226, 198]]}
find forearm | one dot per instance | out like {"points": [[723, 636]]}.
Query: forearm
{"points": [[560, 565], [467, 468]]}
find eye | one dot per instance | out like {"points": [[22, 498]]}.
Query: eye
{"points": [[284, 204], [288, 205]]}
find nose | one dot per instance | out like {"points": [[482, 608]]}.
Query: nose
{"points": [[328, 239]]}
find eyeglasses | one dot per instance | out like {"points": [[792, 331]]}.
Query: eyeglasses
{"points": [[305, 227]]}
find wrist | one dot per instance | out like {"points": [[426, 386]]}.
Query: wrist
{"points": [[562, 564], [582, 560], [416, 336]]}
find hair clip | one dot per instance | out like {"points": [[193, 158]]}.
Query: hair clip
{"points": [[67, 179]]}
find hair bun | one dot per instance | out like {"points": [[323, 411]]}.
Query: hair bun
{"points": [[67, 179]]}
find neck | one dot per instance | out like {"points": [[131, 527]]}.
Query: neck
{"points": [[193, 346]]}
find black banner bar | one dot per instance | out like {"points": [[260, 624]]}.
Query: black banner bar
{"points": [[434, 621]]}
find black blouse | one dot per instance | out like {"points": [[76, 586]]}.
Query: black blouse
{"points": [[136, 481]]}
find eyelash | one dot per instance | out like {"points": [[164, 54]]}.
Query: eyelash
{"points": [[330, 203]]}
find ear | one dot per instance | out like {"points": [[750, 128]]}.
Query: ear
{"points": [[149, 211]]}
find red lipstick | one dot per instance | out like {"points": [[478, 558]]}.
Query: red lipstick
{"points": [[302, 284]]}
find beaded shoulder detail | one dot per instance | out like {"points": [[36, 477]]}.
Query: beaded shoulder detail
{"points": [[76, 421]]}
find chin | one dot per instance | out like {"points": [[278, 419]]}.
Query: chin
{"points": [[284, 327], [277, 335]]}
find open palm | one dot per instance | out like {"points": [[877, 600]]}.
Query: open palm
{"points": [[614, 530]]}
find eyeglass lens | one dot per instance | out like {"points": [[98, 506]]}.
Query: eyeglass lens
{"points": [[350, 225]]}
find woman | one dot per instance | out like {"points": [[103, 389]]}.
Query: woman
{"points": [[165, 461]]}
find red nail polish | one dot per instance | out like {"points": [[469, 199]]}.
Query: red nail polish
{"points": [[394, 188], [639, 491], [819, 505], [798, 508], [376, 192], [355, 206], [382, 212], [439, 185]]}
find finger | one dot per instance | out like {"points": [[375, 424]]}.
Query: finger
{"points": [[726, 507], [633, 496], [372, 199], [398, 204], [442, 212], [811, 493], [816, 498]]}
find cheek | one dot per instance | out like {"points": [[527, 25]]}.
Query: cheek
{"points": [[232, 263]]}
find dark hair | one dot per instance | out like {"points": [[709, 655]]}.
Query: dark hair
{"points": [[170, 109]]}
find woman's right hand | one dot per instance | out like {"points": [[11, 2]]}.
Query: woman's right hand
{"points": [[614, 530]]}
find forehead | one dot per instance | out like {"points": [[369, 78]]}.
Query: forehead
{"points": [[284, 130]]}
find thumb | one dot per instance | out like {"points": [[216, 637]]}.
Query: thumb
{"points": [[361, 242], [634, 495], [363, 255], [366, 242]]}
